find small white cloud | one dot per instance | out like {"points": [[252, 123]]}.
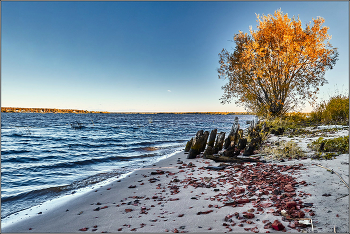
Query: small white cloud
{"points": [[169, 90]]}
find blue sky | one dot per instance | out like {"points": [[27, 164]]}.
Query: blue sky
{"points": [[139, 56]]}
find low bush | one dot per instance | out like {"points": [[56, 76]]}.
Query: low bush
{"points": [[339, 144], [334, 111]]}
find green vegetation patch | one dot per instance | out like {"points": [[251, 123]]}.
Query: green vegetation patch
{"points": [[339, 144], [334, 111]]}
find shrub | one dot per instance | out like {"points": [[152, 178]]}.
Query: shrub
{"points": [[334, 111], [339, 144]]}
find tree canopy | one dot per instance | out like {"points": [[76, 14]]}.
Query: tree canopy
{"points": [[277, 67]]}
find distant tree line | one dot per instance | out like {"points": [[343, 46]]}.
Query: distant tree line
{"points": [[45, 110], [184, 113]]}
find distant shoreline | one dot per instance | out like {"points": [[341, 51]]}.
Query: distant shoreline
{"points": [[53, 110], [46, 110]]}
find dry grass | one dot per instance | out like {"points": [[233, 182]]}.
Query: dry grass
{"points": [[283, 150]]}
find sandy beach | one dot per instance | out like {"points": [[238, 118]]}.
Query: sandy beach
{"points": [[182, 195]]}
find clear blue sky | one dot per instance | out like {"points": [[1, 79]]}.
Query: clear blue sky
{"points": [[139, 56]]}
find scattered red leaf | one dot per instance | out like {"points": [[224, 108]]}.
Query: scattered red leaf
{"points": [[277, 225], [204, 212]]}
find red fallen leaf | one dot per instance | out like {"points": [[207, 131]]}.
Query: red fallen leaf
{"points": [[210, 206], [30, 228], [249, 215], [225, 224], [209, 228], [175, 230], [166, 230], [133, 230], [132, 186], [300, 214], [241, 201], [249, 222], [180, 215], [119, 229], [95, 226], [265, 221], [277, 225], [291, 204], [174, 199], [259, 209], [312, 214], [265, 205], [337, 215], [128, 210], [240, 190], [247, 229], [83, 229], [109, 189], [104, 207], [204, 212], [289, 188], [94, 229]]}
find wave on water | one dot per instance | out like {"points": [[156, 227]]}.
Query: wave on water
{"points": [[11, 152], [52, 158], [60, 190]]}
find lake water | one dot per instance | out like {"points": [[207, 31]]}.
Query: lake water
{"points": [[44, 156]]}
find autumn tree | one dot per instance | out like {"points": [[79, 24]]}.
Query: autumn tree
{"points": [[277, 67]]}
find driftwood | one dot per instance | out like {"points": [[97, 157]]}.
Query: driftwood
{"points": [[220, 158]]}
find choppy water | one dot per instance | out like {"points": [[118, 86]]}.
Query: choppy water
{"points": [[43, 156]]}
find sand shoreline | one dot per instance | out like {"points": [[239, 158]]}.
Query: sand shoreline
{"points": [[169, 202]]}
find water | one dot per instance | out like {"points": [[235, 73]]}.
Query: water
{"points": [[44, 156]]}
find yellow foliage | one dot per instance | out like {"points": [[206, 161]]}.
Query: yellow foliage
{"points": [[277, 66]]}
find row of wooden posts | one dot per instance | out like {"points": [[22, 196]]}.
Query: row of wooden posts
{"points": [[232, 145]]}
